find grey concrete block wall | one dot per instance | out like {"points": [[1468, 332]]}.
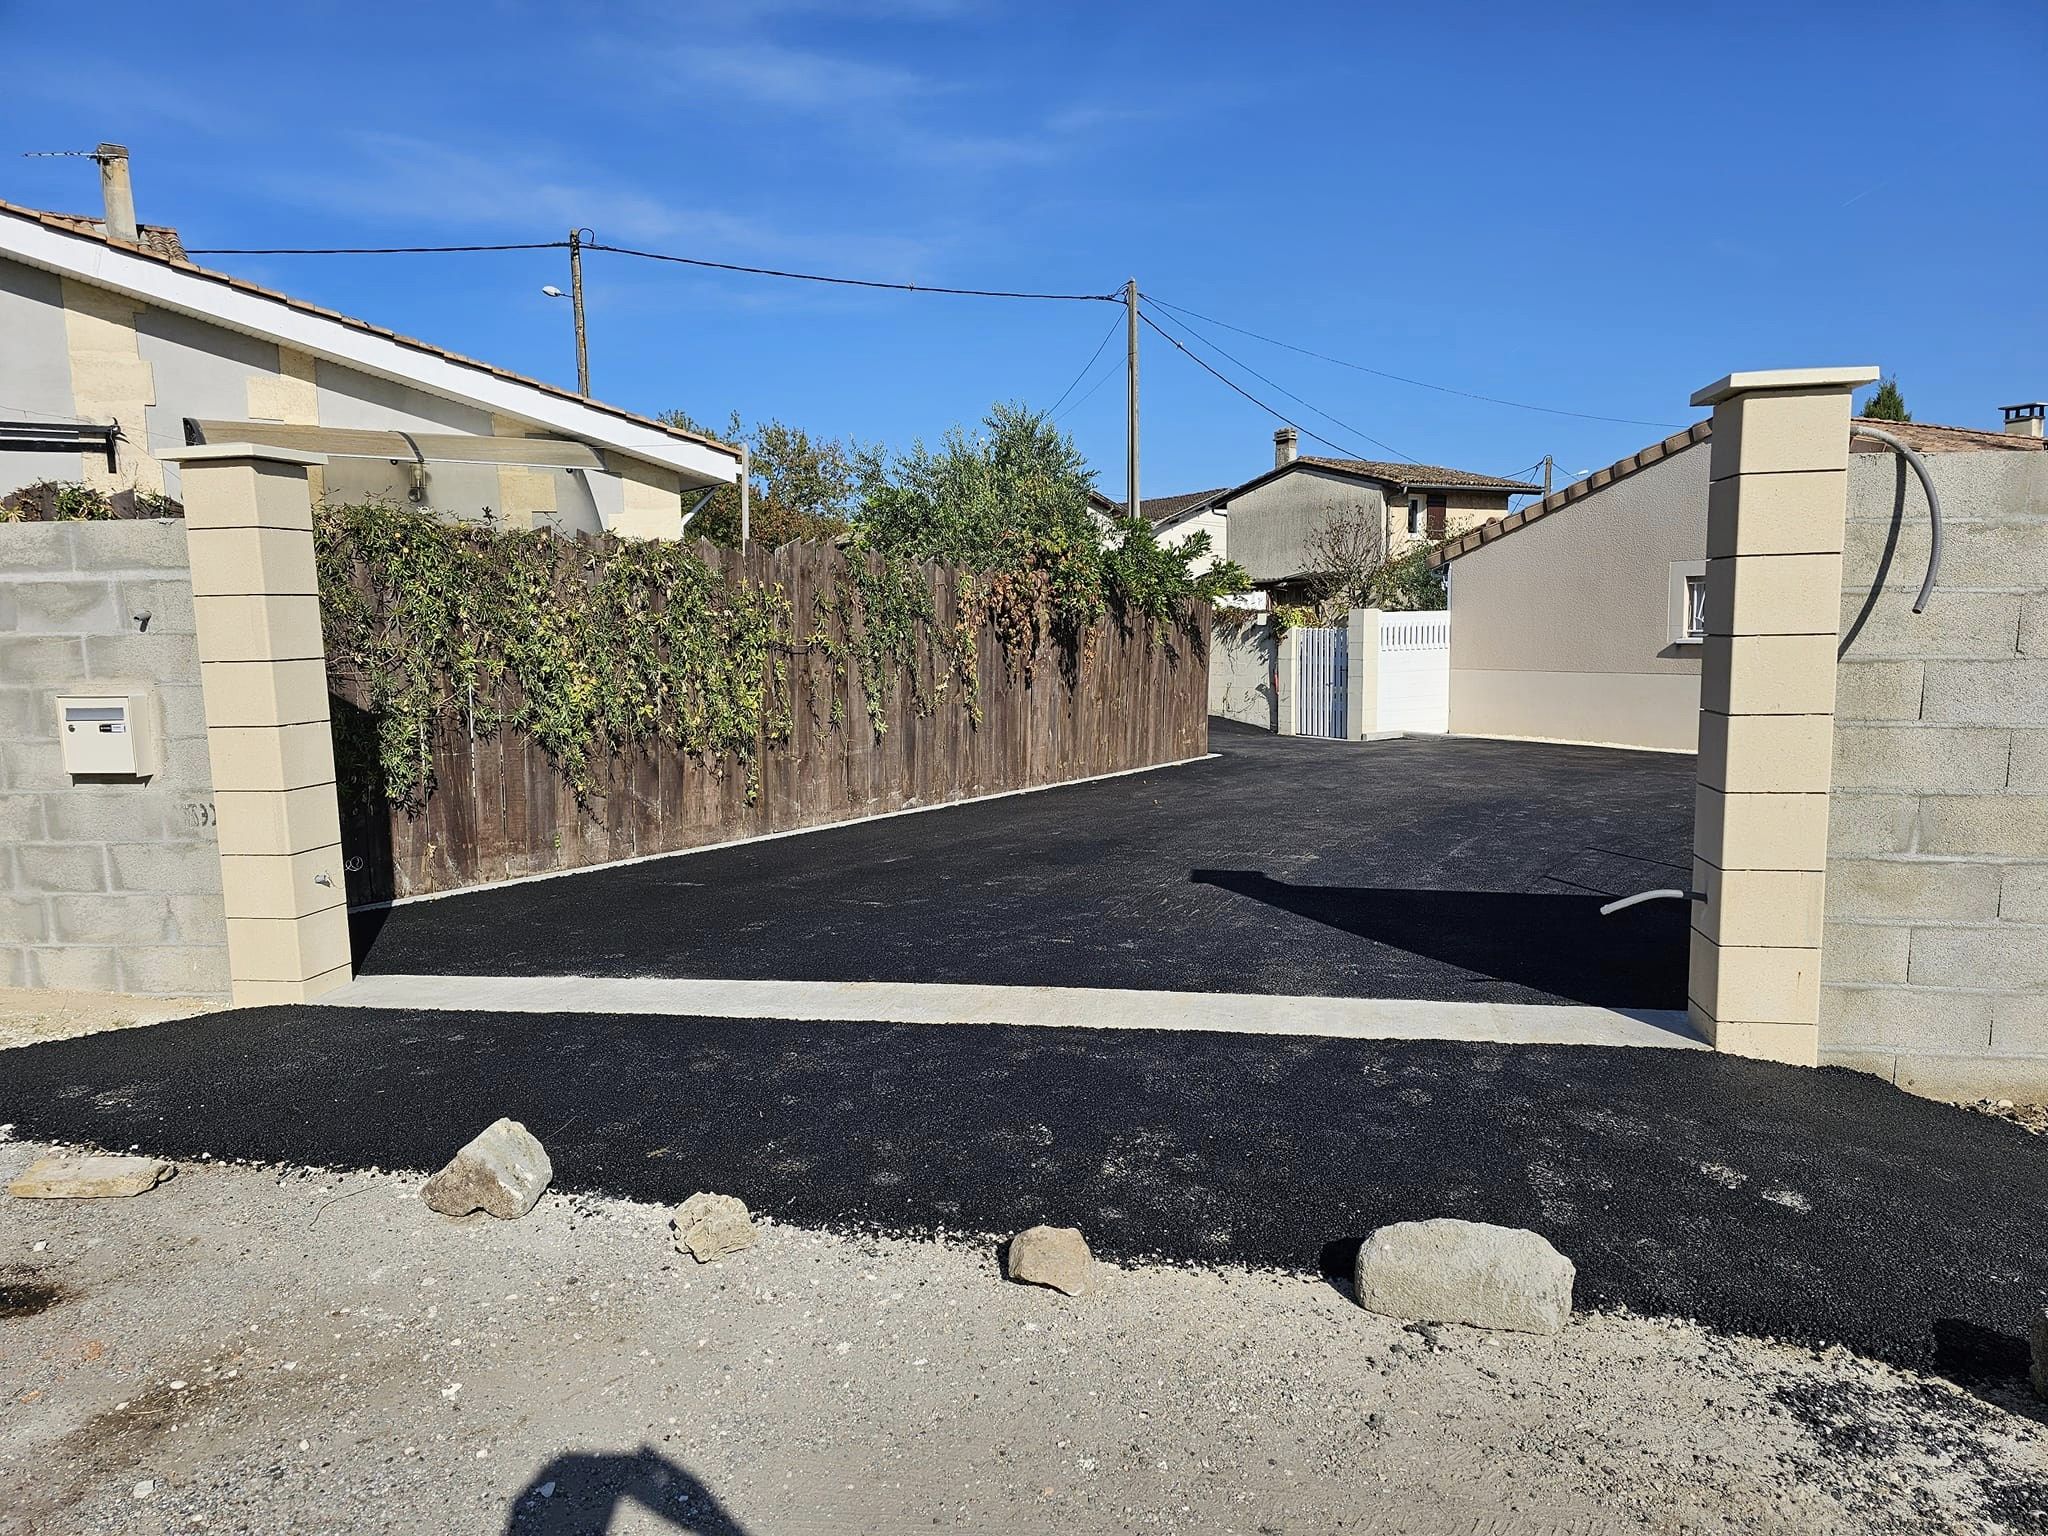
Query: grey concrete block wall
{"points": [[1935, 963], [104, 885]]}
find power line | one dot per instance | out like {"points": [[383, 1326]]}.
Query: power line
{"points": [[1381, 373], [369, 250], [852, 282], [1347, 426], [1053, 411], [1232, 385], [1090, 392]]}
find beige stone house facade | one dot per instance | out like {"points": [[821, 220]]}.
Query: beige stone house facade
{"points": [[103, 333]]}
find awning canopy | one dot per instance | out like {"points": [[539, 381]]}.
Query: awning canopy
{"points": [[400, 447]]}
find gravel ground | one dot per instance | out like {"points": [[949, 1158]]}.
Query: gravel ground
{"points": [[29, 1015], [271, 1349]]}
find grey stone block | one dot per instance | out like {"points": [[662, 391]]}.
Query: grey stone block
{"points": [[1911, 888], [1869, 952], [133, 546], [1871, 823], [105, 813], [2024, 893], [2006, 826], [26, 714], [1939, 758], [185, 970], [2019, 1024], [173, 868], [42, 661], [2034, 626], [1891, 1017], [2007, 554], [111, 918], [184, 711], [189, 817], [2027, 770], [80, 605], [158, 658], [24, 919], [166, 599], [35, 547], [2004, 959], [1987, 692], [1970, 625], [187, 769], [1877, 690], [14, 970], [32, 765], [21, 818], [58, 867], [75, 968], [199, 918]]}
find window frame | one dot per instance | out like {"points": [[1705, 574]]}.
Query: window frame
{"points": [[1685, 577]]}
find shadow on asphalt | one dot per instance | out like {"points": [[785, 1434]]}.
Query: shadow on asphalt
{"points": [[1818, 1206], [1554, 944], [580, 1492]]}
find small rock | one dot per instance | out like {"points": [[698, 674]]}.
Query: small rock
{"points": [[1448, 1271], [89, 1176], [1052, 1256], [711, 1226], [2039, 1340], [503, 1172]]}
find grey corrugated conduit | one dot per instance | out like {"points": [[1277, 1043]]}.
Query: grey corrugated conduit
{"points": [[1857, 429], [1919, 465]]}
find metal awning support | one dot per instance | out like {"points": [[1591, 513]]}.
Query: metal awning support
{"points": [[60, 437]]}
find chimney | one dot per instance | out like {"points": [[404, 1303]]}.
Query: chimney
{"points": [[1287, 445], [2025, 420], [117, 192]]}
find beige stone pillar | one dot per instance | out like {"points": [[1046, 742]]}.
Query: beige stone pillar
{"points": [[263, 673], [1775, 513], [1362, 679], [1287, 683]]}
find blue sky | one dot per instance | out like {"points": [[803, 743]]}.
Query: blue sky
{"points": [[1592, 207]]}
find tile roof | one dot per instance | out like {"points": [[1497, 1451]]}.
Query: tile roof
{"points": [[1431, 477], [157, 239], [92, 229], [1923, 437], [1164, 509]]}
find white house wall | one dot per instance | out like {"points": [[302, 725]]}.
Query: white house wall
{"points": [[1561, 630], [1271, 524]]}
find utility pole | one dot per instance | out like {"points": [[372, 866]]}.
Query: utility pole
{"points": [[1131, 506], [1546, 476], [576, 303]]}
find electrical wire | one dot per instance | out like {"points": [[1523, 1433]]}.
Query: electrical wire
{"points": [[369, 250], [853, 282], [1398, 378], [1353, 453], [1237, 388], [1053, 410], [1086, 395]]}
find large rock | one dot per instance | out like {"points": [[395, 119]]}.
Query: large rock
{"points": [[1449, 1271], [711, 1226], [501, 1173], [89, 1176], [1051, 1256]]}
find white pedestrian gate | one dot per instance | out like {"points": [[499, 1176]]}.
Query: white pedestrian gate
{"points": [[1414, 692], [1322, 675]]}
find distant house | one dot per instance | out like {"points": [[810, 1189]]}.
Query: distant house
{"points": [[114, 349], [1268, 524], [1581, 617]]}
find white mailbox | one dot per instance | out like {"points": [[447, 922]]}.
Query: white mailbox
{"points": [[107, 735]]}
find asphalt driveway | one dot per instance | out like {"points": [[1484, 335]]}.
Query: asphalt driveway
{"points": [[1816, 1205], [1437, 868]]}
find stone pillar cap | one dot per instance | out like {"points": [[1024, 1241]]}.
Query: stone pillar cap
{"points": [[212, 452], [1768, 380]]}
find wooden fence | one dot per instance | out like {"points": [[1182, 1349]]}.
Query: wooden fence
{"points": [[499, 809]]}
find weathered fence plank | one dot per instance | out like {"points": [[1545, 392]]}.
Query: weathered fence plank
{"points": [[500, 809]]}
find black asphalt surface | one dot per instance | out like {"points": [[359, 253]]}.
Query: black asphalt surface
{"points": [[1821, 1206], [1423, 868]]}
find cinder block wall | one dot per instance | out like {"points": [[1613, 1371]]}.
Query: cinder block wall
{"points": [[106, 886], [1935, 962], [1241, 659]]}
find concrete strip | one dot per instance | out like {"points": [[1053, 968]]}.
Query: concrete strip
{"points": [[892, 1002]]}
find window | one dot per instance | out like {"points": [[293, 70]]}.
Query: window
{"points": [[1688, 602], [1415, 515], [1439, 516]]}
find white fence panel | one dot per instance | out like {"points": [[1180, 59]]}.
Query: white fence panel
{"points": [[1415, 672], [1322, 676]]}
